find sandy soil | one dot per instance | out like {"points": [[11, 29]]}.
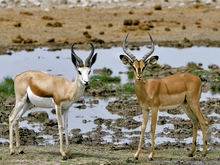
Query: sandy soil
{"points": [[26, 28]]}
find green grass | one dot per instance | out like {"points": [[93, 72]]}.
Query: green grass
{"points": [[128, 88], [200, 72], [7, 87], [130, 75], [97, 81], [108, 82], [215, 87]]}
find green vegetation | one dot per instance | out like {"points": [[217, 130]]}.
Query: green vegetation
{"points": [[130, 75], [110, 83], [216, 85], [7, 87], [128, 88], [100, 80], [192, 65], [106, 71], [200, 72]]}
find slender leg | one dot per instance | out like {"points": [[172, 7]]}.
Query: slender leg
{"points": [[20, 108], [18, 144], [11, 148], [60, 128], [145, 118], [194, 120], [203, 127], [194, 106], [65, 117], [153, 128], [26, 106]]}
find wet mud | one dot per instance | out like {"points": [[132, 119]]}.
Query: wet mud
{"points": [[125, 127]]}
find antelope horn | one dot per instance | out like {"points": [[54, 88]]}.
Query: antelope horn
{"points": [[87, 62], [124, 49], [151, 51], [77, 58]]}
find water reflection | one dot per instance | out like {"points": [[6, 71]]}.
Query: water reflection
{"points": [[59, 62]]}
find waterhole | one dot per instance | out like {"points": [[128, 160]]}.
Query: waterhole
{"points": [[59, 63]]}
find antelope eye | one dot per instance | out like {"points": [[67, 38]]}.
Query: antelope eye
{"points": [[89, 71], [79, 72]]}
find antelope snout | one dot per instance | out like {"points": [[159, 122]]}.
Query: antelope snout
{"points": [[86, 83], [139, 78]]}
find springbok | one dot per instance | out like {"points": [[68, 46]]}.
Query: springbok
{"points": [[36, 88], [163, 93]]}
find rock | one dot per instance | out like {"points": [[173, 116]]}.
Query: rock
{"points": [[39, 116], [158, 7], [128, 22]]}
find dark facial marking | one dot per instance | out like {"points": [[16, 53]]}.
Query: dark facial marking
{"points": [[79, 72], [139, 70]]}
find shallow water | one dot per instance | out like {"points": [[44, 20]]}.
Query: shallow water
{"points": [[59, 63]]}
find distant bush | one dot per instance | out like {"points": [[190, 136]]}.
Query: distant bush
{"points": [[7, 87]]}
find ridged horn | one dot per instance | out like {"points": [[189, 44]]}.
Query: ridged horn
{"points": [[87, 62], [80, 62], [133, 58], [151, 51]]}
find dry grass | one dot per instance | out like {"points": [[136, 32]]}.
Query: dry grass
{"points": [[89, 155]]}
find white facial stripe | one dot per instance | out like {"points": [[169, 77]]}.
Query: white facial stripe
{"points": [[84, 76]]}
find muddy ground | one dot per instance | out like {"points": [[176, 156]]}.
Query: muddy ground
{"points": [[58, 27]]}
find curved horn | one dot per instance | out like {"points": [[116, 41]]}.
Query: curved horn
{"points": [[87, 62], [151, 51], [124, 49], [74, 54]]}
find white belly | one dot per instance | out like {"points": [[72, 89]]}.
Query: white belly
{"points": [[43, 102]]}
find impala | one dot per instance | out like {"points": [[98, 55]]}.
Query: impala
{"points": [[36, 88], [163, 93]]}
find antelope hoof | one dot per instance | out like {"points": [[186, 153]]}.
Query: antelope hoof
{"points": [[70, 156], [21, 152], [190, 155], [135, 158], [12, 153], [150, 159], [203, 155], [64, 158]]}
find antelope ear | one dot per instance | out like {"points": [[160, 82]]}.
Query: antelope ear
{"points": [[125, 60], [93, 60], [152, 60]]}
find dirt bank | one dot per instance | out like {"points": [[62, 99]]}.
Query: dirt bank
{"points": [[60, 26]]}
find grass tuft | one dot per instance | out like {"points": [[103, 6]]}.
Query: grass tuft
{"points": [[97, 81], [7, 87], [128, 88]]}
